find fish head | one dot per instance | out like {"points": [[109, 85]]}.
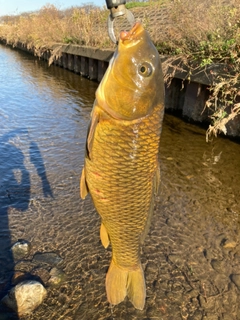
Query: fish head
{"points": [[133, 83]]}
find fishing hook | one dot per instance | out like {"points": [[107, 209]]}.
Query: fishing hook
{"points": [[117, 8]]}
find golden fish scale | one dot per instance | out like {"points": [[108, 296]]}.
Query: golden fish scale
{"points": [[120, 177]]}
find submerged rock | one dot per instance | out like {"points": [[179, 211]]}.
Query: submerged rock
{"points": [[17, 276], [25, 297], [236, 280], [24, 266], [220, 266], [20, 249], [228, 243], [57, 277], [41, 273], [50, 258]]}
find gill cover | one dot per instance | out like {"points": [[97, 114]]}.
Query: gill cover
{"points": [[128, 90]]}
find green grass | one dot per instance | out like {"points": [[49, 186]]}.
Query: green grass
{"points": [[131, 5]]}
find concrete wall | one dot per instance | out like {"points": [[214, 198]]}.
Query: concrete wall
{"points": [[185, 96]]}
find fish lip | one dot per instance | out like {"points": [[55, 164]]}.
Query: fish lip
{"points": [[127, 36]]}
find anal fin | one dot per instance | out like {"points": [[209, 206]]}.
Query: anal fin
{"points": [[104, 236]]}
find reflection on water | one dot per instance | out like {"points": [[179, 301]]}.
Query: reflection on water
{"points": [[44, 114]]}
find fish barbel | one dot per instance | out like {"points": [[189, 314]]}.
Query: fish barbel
{"points": [[121, 170]]}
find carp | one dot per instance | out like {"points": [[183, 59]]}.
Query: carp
{"points": [[121, 170]]}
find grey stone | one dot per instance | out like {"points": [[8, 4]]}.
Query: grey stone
{"points": [[50, 258], [237, 255], [236, 280], [25, 297], [220, 266], [176, 259], [21, 249], [57, 276], [42, 273]]}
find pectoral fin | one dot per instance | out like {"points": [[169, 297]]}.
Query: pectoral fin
{"points": [[104, 236], [83, 185], [91, 131]]}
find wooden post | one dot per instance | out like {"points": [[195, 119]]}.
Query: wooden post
{"points": [[70, 62], [64, 60], [84, 70], [77, 64], [60, 61], [93, 69], [102, 67]]}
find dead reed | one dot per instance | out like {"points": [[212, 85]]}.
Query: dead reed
{"points": [[83, 26]]}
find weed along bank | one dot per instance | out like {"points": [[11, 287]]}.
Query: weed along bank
{"points": [[201, 65]]}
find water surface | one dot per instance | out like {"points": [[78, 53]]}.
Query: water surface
{"points": [[192, 250]]}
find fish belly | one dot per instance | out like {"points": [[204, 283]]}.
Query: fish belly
{"points": [[120, 179]]}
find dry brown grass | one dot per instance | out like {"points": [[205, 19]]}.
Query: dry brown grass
{"points": [[50, 25], [181, 26], [207, 32]]}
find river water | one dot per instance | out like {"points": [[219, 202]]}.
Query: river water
{"points": [[191, 256]]}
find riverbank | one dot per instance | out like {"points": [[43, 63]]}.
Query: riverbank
{"points": [[196, 41], [187, 91]]}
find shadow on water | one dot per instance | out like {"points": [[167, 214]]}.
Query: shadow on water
{"points": [[37, 161], [15, 192]]}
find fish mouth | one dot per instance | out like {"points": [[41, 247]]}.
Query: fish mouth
{"points": [[132, 36]]}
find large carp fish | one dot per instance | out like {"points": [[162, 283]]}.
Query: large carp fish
{"points": [[121, 170]]}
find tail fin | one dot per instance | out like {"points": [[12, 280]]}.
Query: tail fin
{"points": [[136, 288], [121, 282], [116, 283]]}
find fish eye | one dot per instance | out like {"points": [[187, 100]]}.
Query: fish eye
{"points": [[145, 69]]}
